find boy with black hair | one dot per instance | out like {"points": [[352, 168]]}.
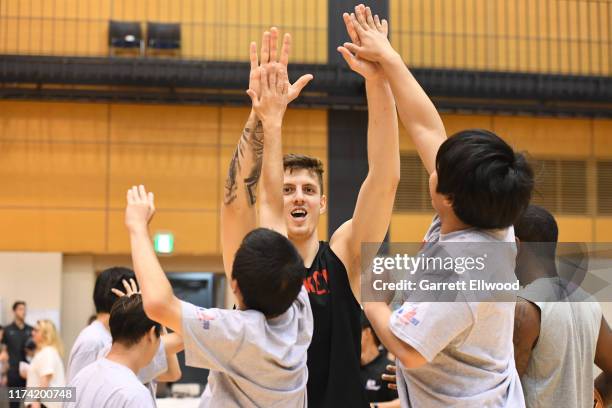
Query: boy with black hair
{"points": [[456, 354], [256, 354], [558, 332], [95, 340], [111, 381]]}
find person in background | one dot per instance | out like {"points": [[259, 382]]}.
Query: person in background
{"points": [[4, 359], [111, 381], [46, 368], [15, 336], [374, 360], [558, 334], [95, 340]]}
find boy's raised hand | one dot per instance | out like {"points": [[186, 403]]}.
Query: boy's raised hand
{"points": [[367, 69], [140, 208], [371, 34], [271, 103]]}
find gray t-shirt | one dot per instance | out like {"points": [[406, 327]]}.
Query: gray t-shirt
{"points": [[107, 384], [468, 345], [569, 329], [254, 361]]}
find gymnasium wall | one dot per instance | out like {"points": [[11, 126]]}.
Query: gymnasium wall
{"points": [[218, 30], [552, 36], [549, 36], [66, 168]]}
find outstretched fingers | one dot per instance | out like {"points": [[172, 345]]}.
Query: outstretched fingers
{"points": [[253, 55], [369, 18], [285, 49], [350, 29], [273, 43], [265, 47]]}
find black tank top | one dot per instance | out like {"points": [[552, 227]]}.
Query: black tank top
{"points": [[335, 350]]}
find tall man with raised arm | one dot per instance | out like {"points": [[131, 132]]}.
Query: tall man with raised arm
{"points": [[333, 268]]}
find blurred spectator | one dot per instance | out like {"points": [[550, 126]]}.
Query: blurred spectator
{"points": [[15, 336], [4, 359], [46, 368], [374, 360]]}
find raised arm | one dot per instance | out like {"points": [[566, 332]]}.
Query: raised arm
{"points": [[238, 209], [270, 106], [418, 114], [603, 359], [158, 300], [374, 206]]}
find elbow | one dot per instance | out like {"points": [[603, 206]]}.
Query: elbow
{"points": [[154, 309], [412, 359], [175, 375]]}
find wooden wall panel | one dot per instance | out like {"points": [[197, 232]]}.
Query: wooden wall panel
{"points": [[409, 227], [181, 177], [534, 36], [546, 136], [50, 230], [53, 175]]}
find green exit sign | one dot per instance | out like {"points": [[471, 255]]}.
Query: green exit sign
{"points": [[163, 242]]}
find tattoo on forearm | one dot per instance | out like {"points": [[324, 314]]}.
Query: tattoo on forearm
{"points": [[257, 147], [251, 139]]}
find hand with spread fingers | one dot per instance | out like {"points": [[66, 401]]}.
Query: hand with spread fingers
{"points": [[271, 103], [131, 288], [269, 58], [368, 35], [140, 208]]}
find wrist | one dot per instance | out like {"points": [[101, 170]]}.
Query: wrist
{"points": [[391, 57], [138, 229], [271, 125]]}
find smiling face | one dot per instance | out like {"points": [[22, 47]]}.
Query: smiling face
{"points": [[304, 203]]}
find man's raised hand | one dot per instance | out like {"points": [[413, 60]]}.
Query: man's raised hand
{"points": [[140, 208], [269, 45], [270, 105]]}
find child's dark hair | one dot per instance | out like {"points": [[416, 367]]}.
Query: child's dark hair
{"points": [[110, 278], [489, 184], [537, 225], [128, 321], [269, 271]]}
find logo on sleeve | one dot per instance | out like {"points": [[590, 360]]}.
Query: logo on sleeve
{"points": [[205, 316], [407, 314]]}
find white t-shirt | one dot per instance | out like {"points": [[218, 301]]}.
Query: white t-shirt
{"points": [[254, 361], [94, 342], [468, 345], [87, 346], [107, 384], [46, 361]]}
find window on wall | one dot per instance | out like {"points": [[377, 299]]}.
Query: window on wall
{"points": [[413, 189], [604, 187], [561, 186]]}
